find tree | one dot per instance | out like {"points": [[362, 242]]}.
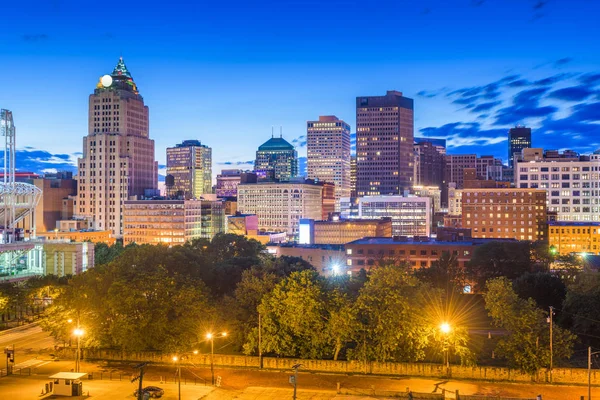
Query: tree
{"points": [[526, 347], [293, 318], [497, 259], [341, 324], [444, 273], [545, 288], [387, 311], [581, 309]]}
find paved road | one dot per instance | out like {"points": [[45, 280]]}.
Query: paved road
{"points": [[28, 341]]}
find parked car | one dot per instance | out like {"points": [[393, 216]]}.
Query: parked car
{"points": [[153, 391]]}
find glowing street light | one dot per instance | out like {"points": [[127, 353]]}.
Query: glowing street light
{"points": [[445, 328], [210, 336], [78, 332], [176, 360]]}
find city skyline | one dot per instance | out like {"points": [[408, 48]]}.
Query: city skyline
{"points": [[538, 74]]}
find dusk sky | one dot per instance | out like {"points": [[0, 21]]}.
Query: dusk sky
{"points": [[225, 72]]}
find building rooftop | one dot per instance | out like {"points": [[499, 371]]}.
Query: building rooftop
{"points": [[423, 241], [573, 223], [276, 144]]}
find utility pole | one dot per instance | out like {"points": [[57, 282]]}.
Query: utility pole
{"points": [[140, 377], [295, 378], [260, 362], [551, 352], [589, 373]]}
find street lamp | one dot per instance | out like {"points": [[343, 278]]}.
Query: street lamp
{"points": [[211, 337], [78, 332], [176, 360], [445, 328]]}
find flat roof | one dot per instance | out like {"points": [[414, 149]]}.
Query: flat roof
{"points": [[573, 223], [68, 375], [430, 242]]}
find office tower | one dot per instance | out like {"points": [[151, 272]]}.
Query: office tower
{"points": [[118, 155], [276, 160], [353, 176], [570, 181], [429, 162], [280, 205], [384, 144], [328, 150], [519, 138], [190, 164], [505, 213]]}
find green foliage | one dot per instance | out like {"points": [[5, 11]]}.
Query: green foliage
{"points": [[545, 288], [444, 273], [581, 309], [526, 347], [103, 253], [501, 259]]}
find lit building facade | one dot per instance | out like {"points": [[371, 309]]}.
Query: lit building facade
{"points": [[327, 259], [519, 138], [353, 176], [433, 192], [171, 222], [429, 162], [384, 144], [505, 213], [419, 253], [190, 164], [338, 231], [277, 160], [328, 151], [118, 155], [64, 258], [411, 216], [568, 237], [572, 183], [279, 206], [229, 179]]}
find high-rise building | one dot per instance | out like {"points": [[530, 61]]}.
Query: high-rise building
{"points": [[190, 164], [328, 150], [571, 181], [280, 205], [277, 160], [505, 213], [519, 138], [384, 144], [429, 162], [118, 155], [353, 176]]}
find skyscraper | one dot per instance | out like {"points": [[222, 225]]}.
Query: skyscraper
{"points": [[384, 144], [429, 162], [328, 150], [519, 138], [190, 164], [118, 155], [277, 160]]}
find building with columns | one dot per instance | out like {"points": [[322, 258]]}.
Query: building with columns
{"points": [[118, 154]]}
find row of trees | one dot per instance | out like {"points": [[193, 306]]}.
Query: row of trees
{"points": [[166, 299]]}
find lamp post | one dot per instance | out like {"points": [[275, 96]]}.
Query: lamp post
{"points": [[445, 329], [590, 354], [211, 337], [78, 332], [176, 360]]}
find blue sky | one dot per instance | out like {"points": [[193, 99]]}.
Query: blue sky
{"points": [[226, 73]]}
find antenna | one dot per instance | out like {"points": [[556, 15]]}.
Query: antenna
{"points": [[272, 131], [280, 131]]}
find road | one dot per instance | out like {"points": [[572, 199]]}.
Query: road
{"points": [[30, 342]]}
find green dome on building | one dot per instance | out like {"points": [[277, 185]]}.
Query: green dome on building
{"points": [[276, 144]]}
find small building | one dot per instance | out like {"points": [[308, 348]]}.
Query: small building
{"points": [[327, 259], [338, 231], [66, 384], [568, 237]]}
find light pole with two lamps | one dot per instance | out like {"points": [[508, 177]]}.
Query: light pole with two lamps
{"points": [[78, 332], [212, 337]]}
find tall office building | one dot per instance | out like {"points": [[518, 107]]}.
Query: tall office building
{"points": [[519, 138], [429, 162], [384, 144], [190, 164], [276, 159], [328, 150], [353, 176], [118, 155]]}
